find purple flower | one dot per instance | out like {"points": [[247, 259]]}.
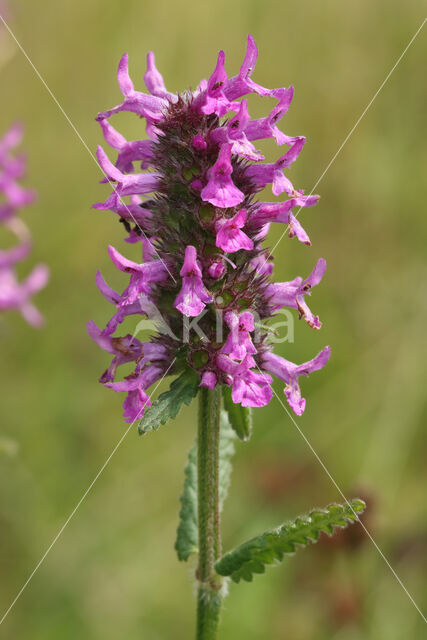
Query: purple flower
{"points": [[135, 404], [193, 296], [11, 169], [199, 142], [135, 385], [208, 380], [282, 212], [249, 388], [290, 372], [133, 211], [220, 190], [129, 152], [154, 80], [217, 270], [22, 249], [128, 185], [261, 265], [13, 294], [264, 174], [142, 276], [213, 99], [142, 306], [188, 195], [148, 106], [230, 237], [235, 134], [267, 127], [239, 342], [242, 84], [291, 294], [126, 349], [150, 359]]}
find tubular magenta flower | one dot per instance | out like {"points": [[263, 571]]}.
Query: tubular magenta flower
{"points": [[196, 215], [13, 197]]}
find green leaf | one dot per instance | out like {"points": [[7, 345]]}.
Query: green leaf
{"points": [[226, 452], [168, 404], [270, 547], [187, 534], [240, 417]]}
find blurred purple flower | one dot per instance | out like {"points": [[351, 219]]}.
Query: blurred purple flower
{"points": [[13, 294]]}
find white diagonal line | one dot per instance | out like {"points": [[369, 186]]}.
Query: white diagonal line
{"points": [[54, 541], [275, 246], [352, 130], [334, 157], [68, 119], [332, 479]]}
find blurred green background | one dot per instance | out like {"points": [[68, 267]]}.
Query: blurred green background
{"points": [[113, 572]]}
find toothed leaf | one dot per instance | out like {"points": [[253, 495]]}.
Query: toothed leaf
{"points": [[187, 533], [226, 453], [168, 404], [240, 417], [270, 547]]}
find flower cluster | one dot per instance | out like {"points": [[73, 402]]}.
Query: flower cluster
{"points": [[195, 215], [15, 294]]}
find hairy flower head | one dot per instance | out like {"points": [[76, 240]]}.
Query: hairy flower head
{"points": [[188, 196]]}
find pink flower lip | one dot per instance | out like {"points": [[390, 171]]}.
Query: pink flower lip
{"points": [[220, 189]]}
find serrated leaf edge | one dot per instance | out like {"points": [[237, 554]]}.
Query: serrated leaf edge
{"points": [[245, 566], [163, 396]]}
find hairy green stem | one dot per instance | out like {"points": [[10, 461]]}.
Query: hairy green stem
{"points": [[210, 591]]}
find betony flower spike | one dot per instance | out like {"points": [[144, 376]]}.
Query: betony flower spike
{"points": [[196, 216]]}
